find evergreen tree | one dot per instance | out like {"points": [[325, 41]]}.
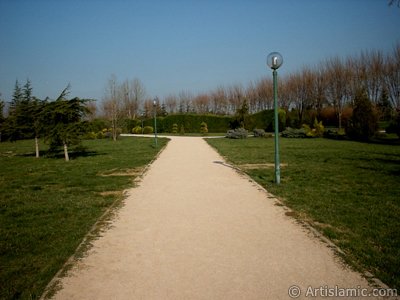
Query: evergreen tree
{"points": [[64, 126], [364, 122], [19, 122], [384, 107]]}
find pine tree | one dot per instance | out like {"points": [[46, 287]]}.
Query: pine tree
{"points": [[64, 126], [364, 122]]}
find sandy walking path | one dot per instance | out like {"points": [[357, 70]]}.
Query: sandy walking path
{"points": [[196, 229]]}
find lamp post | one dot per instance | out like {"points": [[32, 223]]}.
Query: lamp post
{"points": [[155, 120], [274, 61]]}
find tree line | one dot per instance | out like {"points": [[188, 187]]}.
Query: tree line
{"points": [[326, 88], [325, 91]]}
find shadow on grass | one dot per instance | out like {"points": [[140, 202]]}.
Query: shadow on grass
{"points": [[58, 154]]}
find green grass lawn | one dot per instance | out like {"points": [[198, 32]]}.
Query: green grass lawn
{"points": [[349, 191], [48, 205]]}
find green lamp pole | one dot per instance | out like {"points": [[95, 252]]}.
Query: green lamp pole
{"points": [[155, 120], [274, 61]]}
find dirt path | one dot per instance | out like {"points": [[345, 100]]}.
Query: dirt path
{"points": [[196, 229]]}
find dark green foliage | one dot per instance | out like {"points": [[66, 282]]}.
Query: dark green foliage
{"points": [[191, 122], [241, 117], [384, 107], [22, 122], [262, 120], [394, 126], [364, 122], [265, 120], [97, 125], [335, 134], [62, 123]]}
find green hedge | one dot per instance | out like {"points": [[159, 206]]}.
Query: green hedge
{"points": [[265, 120], [191, 123]]}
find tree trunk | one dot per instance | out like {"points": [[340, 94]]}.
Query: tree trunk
{"points": [[66, 152], [340, 120], [37, 147]]}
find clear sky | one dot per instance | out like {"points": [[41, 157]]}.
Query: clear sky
{"points": [[176, 45]]}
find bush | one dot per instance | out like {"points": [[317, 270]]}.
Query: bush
{"points": [[294, 133], [259, 132], [148, 129], [335, 134], [174, 128], [137, 130], [317, 130], [203, 128], [100, 135], [238, 133], [90, 136]]}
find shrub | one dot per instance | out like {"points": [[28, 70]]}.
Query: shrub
{"points": [[148, 129], [182, 131], [175, 128], [90, 136], [294, 133], [335, 134], [317, 130], [137, 130], [203, 128], [259, 132], [100, 135], [238, 133]]}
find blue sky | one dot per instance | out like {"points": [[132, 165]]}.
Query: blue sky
{"points": [[178, 45]]}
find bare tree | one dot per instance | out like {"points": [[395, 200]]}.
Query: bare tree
{"points": [[112, 105], [219, 101], [201, 103], [265, 94], [132, 93], [235, 97], [338, 91], [318, 88], [185, 102], [367, 73], [171, 103], [392, 76]]}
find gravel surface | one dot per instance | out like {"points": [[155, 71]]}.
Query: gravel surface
{"points": [[195, 228]]}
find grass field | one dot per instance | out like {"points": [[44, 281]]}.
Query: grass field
{"points": [[48, 205], [349, 191]]}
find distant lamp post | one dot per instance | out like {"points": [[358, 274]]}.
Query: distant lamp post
{"points": [[142, 115], [274, 61], [155, 120]]}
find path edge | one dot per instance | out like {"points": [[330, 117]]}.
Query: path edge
{"points": [[100, 225]]}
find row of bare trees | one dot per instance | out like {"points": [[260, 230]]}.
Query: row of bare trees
{"points": [[331, 83], [122, 101]]}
